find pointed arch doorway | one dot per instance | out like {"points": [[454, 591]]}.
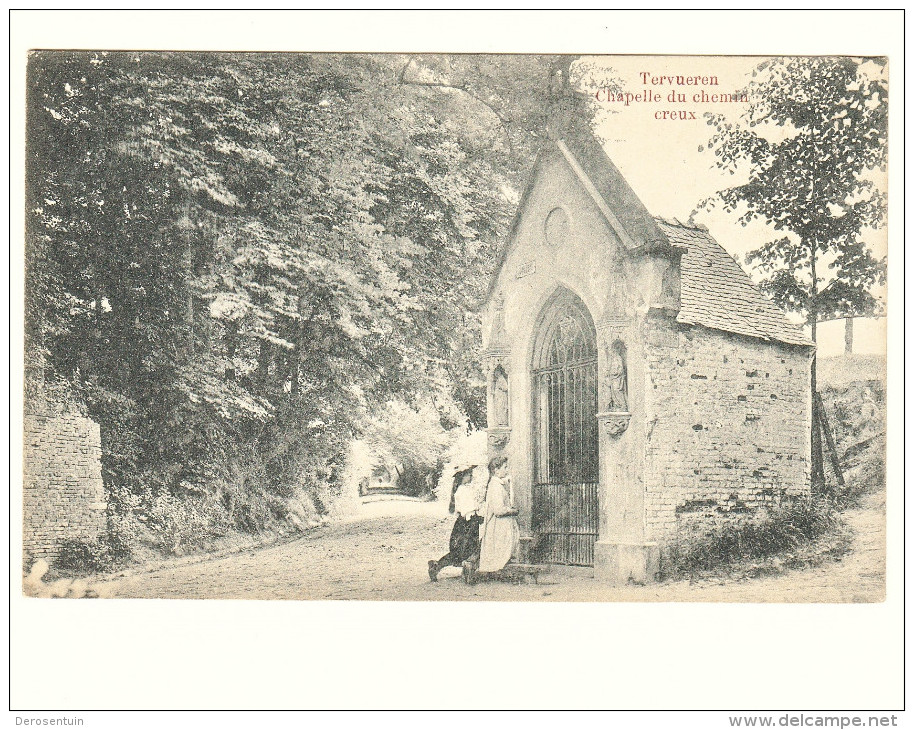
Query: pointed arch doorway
{"points": [[565, 506]]}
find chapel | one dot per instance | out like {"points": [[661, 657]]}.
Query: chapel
{"points": [[644, 389]]}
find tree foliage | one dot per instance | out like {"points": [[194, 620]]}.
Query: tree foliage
{"points": [[811, 138], [231, 258]]}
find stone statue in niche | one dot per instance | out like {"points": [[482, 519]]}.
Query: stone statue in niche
{"points": [[616, 378], [500, 396]]}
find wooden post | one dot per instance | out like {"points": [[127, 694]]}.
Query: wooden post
{"points": [[829, 438], [818, 467]]}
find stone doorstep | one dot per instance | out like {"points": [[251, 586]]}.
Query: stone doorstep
{"points": [[525, 569], [551, 574], [513, 571], [568, 571], [620, 562]]}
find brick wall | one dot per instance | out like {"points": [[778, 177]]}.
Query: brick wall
{"points": [[63, 495], [728, 420]]}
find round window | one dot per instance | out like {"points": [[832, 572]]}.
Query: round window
{"points": [[556, 227]]}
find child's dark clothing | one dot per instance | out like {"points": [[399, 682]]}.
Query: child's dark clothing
{"points": [[463, 545]]}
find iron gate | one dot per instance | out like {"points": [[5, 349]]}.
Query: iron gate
{"points": [[564, 515]]}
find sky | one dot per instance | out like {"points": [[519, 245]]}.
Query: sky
{"points": [[662, 162]]}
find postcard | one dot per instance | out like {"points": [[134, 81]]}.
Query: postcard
{"points": [[370, 325]]}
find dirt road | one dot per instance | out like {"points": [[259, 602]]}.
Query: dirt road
{"points": [[382, 553]]}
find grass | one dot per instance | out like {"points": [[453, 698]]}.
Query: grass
{"points": [[804, 532]]}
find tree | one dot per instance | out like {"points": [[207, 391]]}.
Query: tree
{"points": [[232, 257], [496, 109], [135, 161], [812, 137]]}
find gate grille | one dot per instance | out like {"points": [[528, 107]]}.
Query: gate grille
{"points": [[564, 516], [565, 523]]}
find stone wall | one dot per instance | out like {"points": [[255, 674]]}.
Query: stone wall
{"points": [[728, 428], [63, 495]]}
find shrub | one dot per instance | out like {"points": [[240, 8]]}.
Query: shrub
{"points": [[184, 523], [856, 415], [419, 480], [101, 555], [864, 478], [786, 529], [167, 523]]}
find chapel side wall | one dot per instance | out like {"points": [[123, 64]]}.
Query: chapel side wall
{"points": [[728, 428]]}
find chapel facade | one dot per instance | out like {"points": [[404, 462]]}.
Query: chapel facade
{"points": [[642, 386]]}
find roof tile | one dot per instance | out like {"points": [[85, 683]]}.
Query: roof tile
{"points": [[716, 292]]}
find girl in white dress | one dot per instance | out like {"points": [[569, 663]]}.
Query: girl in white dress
{"points": [[500, 533]]}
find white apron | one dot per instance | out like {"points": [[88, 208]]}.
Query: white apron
{"points": [[500, 533]]}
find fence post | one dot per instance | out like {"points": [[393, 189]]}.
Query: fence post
{"points": [[829, 438]]}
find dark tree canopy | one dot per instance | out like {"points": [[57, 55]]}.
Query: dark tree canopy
{"points": [[232, 258]]}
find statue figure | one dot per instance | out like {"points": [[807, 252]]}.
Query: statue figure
{"points": [[616, 380], [500, 389]]}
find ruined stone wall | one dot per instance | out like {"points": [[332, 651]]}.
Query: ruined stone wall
{"points": [[728, 426], [63, 495]]}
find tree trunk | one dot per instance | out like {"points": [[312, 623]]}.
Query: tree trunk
{"points": [[231, 347], [294, 387], [296, 359], [816, 461], [98, 350], [305, 314], [208, 319]]}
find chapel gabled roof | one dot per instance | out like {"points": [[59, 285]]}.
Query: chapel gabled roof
{"points": [[716, 292], [620, 206], [614, 189]]}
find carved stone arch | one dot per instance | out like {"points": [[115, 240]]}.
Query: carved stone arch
{"points": [[564, 321], [563, 366]]}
